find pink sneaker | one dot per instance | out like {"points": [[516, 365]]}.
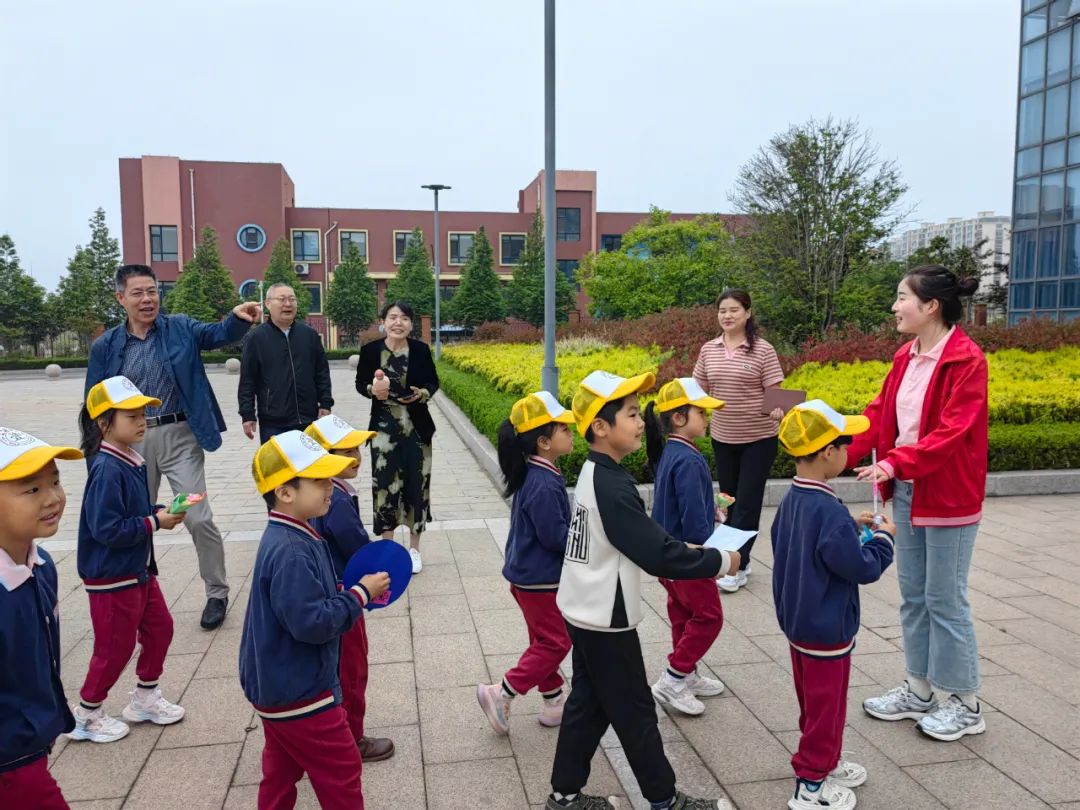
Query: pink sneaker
{"points": [[495, 706], [551, 714]]}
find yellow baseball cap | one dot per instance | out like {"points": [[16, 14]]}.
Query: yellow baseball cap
{"points": [[684, 391], [22, 455], [537, 410], [119, 393], [600, 388], [810, 426], [334, 433], [294, 455]]}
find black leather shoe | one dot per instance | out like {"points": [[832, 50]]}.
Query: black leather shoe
{"points": [[214, 613], [375, 749]]}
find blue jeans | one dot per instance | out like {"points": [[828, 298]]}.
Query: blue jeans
{"points": [[932, 565]]}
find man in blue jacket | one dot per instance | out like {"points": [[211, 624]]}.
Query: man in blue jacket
{"points": [[160, 354]]}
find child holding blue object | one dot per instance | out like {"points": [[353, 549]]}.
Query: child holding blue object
{"points": [[345, 534], [33, 709], [818, 565], [683, 504], [530, 442]]}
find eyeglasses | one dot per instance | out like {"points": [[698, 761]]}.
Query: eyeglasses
{"points": [[137, 295], [284, 299]]}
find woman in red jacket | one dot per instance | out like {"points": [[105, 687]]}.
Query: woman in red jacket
{"points": [[929, 426]]}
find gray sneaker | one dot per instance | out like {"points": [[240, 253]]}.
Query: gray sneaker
{"points": [[899, 704], [952, 720], [583, 801], [684, 802]]}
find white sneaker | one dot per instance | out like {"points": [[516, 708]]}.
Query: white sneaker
{"points": [[417, 563], [732, 582], [701, 686], [675, 693], [828, 796], [96, 726], [847, 774], [152, 707]]}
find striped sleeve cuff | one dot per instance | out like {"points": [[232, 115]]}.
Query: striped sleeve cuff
{"points": [[361, 593], [881, 534], [152, 524], [887, 468]]}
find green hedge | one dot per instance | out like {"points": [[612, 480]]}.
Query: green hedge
{"points": [[1012, 447], [31, 363]]}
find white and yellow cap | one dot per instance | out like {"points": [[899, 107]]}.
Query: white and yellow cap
{"points": [[537, 410], [685, 391], [294, 455], [600, 388], [810, 426], [22, 455], [116, 392], [334, 433]]}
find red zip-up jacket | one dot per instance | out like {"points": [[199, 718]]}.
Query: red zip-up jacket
{"points": [[950, 458]]}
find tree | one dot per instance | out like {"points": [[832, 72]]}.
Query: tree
{"points": [[662, 264], [205, 289], [351, 301], [820, 200], [79, 298], [103, 255], [414, 283], [479, 295], [22, 300], [525, 293], [867, 293], [280, 270]]}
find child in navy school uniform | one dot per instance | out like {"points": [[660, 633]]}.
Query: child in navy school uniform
{"points": [[296, 616], [818, 564], [116, 564], [683, 504], [33, 709], [345, 534], [530, 442]]}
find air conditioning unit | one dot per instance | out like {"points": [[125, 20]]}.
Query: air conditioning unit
{"points": [[302, 268]]}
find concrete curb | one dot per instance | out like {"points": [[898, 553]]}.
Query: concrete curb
{"points": [[998, 485]]}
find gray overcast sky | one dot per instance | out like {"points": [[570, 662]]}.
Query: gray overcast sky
{"points": [[364, 101]]}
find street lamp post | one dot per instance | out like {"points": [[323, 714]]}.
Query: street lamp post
{"points": [[550, 374], [436, 187]]}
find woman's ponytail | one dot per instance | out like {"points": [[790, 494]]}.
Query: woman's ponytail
{"points": [[654, 436]]}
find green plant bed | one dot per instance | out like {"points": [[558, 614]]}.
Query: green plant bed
{"points": [[30, 363], [1012, 447]]}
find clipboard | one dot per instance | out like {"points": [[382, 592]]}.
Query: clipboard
{"points": [[781, 398]]}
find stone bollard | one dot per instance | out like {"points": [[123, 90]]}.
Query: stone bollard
{"points": [[232, 366], [53, 371], [354, 360]]}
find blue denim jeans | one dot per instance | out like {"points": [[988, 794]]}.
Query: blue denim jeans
{"points": [[932, 565]]}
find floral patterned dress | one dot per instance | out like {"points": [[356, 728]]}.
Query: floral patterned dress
{"points": [[400, 459]]}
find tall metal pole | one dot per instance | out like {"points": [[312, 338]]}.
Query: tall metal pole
{"points": [[550, 374], [437, 187]]}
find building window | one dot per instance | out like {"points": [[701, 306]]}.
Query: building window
{"points": [[446, 292], [1026, 205], [163, 243], [1057, 103], [1053, 198], [1023, 256], [1053, 155], [1021, 295], [568, 267], [1057, 57], [1046, 295], [1034, 24], [461, 245], [315, 288], [350, 238], [1032, 65], [510, 247], [305, 246], [568, 225], [401, 244], [1049, 252], [251, 238], [1031, 119], [164, 288], [249, 289], [610, 242], [1070, 293]]}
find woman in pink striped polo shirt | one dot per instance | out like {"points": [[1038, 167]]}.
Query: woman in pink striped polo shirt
{"points": [[929, 427]]}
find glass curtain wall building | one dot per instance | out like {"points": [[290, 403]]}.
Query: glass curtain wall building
{"points": [[1045, 272]]}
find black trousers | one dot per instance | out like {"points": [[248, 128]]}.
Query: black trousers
{"points": [[266, 432], [610, 687], [742, 470]]}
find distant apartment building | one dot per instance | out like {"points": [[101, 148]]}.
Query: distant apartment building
{"points": [[961, 232], [166, 201]]}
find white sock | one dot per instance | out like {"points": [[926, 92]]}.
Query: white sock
{"points": [[971, 700], [921, 687]]}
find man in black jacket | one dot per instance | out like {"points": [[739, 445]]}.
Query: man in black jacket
{"points": [[284, 375]]}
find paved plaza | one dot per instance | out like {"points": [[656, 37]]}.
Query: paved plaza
{"points": [[458, 625]]}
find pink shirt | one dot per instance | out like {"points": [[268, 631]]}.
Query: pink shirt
{"points": [[912, 392]]}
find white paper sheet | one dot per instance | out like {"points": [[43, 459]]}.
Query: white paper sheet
{"points": [[726, 538]]}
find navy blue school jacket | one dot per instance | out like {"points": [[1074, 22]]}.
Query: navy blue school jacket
{"points": [[33, 709], [539, 521], [295, 618], [117, 523], [682, 495], [818, 565], [342, 528]]}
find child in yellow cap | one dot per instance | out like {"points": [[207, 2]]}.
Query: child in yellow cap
{"points": [[530, 443], [33, 709], [117, 566], [683, 504], [344, 533], [296, 616], [611, 541], [818, 564]]}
